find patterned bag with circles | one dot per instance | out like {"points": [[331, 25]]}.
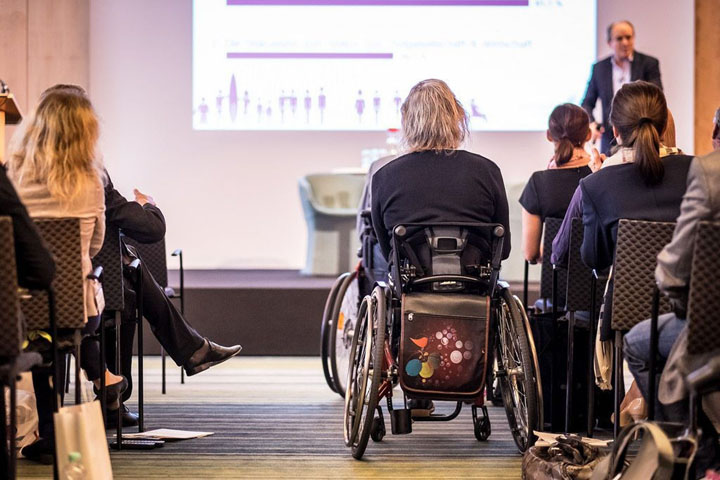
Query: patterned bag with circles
{"points": [[444, 345]]}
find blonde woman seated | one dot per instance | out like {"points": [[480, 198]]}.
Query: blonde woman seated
{"points": [[57, 173]]}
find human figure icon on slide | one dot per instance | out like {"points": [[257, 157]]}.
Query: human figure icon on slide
{"points": [[203, 109], [376, 106], [308, 105], [233, 99], [281, 103], [397, 101], [321, 104], [219, 102], [360, 105], [268, 110], [293, 102], [475, 111], [246, 102], [259, 109]]}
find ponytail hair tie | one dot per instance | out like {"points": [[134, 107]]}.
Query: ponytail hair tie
{"points": [[644, 120]]}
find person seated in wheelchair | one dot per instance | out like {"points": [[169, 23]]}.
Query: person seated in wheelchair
{"points": [[436, 182]]}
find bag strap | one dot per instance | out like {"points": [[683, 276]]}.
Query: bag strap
{"points": [[655, 448]]}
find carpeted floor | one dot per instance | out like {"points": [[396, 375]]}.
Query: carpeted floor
{"points": [[276, 418]]}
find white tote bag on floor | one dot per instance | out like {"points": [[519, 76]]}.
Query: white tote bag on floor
{"points": [[80, 428]]}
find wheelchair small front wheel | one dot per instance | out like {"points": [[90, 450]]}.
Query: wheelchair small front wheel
{"points": [[519, 382], [377, 431], [367, 361], [481, 425]]}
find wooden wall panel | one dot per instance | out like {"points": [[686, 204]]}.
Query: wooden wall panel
{"points": [[58, 44], [707, 70], [13, 55]]}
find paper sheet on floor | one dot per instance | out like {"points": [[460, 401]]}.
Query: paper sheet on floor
{"points": [[167, 434], [547, 438]]}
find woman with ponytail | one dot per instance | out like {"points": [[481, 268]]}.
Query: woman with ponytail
{"points": [[548, 192]]}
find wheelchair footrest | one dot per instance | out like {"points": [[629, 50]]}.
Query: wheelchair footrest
{"points": [[400, 421]]}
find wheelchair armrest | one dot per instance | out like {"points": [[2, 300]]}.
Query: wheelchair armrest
{"points": [[96, 274], [177, 252], [169, 292]]}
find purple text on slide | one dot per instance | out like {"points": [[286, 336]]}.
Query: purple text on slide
{"points": [[381, 3], [313, 55]]}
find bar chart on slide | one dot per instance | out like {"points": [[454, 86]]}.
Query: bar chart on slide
{"points": [[348, 64]]}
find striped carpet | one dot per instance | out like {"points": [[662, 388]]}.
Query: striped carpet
{"points": [[275, 418]]}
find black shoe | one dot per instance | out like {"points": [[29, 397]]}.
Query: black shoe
{"points": [[42, 451], [208, 355], [129, 419], [113, 392], [420, 407]]}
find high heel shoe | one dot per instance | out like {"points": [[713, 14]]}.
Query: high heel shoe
{"points": [[113, 392], [634, 411]]}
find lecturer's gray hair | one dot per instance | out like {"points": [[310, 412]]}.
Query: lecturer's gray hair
{"points": [[433, 118]]}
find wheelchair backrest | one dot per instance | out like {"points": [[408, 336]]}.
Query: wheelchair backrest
{"points": [[445, 257]]}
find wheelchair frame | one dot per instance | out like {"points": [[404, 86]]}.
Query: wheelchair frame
{"points": [[368, 384]]}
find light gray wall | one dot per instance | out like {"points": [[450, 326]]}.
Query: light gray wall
{"points": [[231, 198]]}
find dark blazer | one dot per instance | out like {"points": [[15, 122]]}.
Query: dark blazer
{"points": [[620, 192], [35, 265], [144, 223], [643, 67]]}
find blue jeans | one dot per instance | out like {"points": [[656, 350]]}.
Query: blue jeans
{"points": [[637, 349]]}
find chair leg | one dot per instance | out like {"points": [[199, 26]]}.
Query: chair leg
{"points": [[141, 409], [570, 365], [591, 361], [162, 355], [78, 387], [55, 370], [653, 353], [118, 431], [67, 373], [13, 427], [554, 294], [525, 285], [618, 362], [182, 375], [4, 453], [103, 363]]}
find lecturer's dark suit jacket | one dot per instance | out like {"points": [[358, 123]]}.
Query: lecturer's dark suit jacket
{"points": [[643, 67]]}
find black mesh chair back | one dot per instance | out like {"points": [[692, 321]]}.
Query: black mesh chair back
{"points": [[110, 258], [154, 258], [10, 325], [551, 227], [638, 244], [704, 295], [579, 275], [62, 236]]}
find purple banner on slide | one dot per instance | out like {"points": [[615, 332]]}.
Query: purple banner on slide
{"points": [[316, 55], [382, 3]]}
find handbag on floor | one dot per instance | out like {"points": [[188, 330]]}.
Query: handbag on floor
{"points": [[568, 458], [80, 435], [665, 453]]}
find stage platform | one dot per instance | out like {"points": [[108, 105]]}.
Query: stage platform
{"points": [[268, 312]]}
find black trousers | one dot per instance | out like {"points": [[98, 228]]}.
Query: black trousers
{"points": [[179, 339]]}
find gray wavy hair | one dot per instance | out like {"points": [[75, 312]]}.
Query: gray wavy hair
{"points": [[433, 118]]}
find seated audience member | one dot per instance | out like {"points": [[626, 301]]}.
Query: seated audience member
{"points": [[376, 267], [57, 173], [716, 130], [436, 182], [646, 187], [143, 221], [561, 242], [701, 202], [548, 192], [35, 265]]}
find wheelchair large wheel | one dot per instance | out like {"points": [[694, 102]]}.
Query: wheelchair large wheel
{"points": [[366, 354], [325, 331], [342, 328], [519, 382]]}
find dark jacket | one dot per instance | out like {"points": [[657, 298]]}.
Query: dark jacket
{"points": [[35, 265], [144, 223], [445, 187], [644, 67], [620, 192]]}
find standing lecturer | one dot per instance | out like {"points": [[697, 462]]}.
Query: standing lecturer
{"points": [[609, 74]]}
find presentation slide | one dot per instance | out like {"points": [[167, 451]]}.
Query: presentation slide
{"points": [[347, 65]]}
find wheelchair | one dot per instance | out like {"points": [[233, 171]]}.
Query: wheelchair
{"points": [[436, 328]]}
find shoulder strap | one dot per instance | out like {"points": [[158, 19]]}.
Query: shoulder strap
{"points": [[655, 458]]}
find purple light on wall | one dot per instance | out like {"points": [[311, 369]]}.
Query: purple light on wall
{"points": [[380, 3], [312, 55]]}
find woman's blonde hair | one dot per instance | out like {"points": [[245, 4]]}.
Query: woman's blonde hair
{"points": [[433, 118], [55, 145]]}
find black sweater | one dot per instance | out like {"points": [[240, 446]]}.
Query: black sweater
{"points": [[432, 187]]}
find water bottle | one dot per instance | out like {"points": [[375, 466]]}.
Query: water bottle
{"points": [[74, 470], [392, 142]]}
